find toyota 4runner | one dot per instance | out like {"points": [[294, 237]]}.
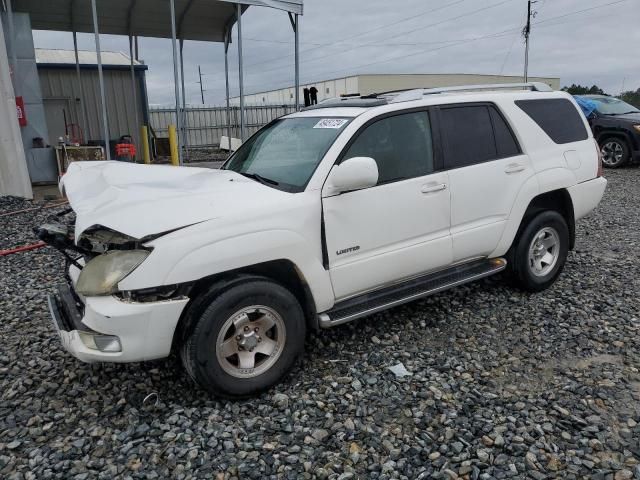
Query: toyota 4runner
{"points": [[323, 216]]}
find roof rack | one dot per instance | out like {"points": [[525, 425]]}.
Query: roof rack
{"points": [[396, 96], [418, 93], [363, 102]]}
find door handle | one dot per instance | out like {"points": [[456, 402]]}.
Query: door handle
{"points": [[430, 188], [514, 168]]}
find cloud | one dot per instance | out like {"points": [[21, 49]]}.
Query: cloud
{"points": [[340, 38]]}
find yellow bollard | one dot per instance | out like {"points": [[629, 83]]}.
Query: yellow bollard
{"points": [[173, 145], [144, 138]]}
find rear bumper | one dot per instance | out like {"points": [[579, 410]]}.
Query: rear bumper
{"points": [[144, 331], [586, 196]]}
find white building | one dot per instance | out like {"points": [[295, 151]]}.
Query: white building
{"points": [[373, 83]]}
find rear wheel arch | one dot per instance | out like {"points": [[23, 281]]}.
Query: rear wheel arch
{"points": [[556, 200]]}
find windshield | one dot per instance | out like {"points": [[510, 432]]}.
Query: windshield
{"points": [[285, 153], [612, 105]]}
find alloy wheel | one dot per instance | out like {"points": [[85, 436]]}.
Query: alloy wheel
{"points": [[544, 251], [612, 153], [250, 341]]}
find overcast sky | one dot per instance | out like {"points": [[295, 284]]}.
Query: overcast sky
{"points": [[580, 41]]}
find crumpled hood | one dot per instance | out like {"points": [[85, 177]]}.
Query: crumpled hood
{"points": [[141, 200]]}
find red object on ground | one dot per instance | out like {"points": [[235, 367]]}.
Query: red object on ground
{"points": [[22, 116], [32, 209], [125, 151], [24, 248]]}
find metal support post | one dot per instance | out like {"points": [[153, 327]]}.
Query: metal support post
{"points": [[105, 126], [240, 72], [226, 77], [133, 87], [185, 138], [14, 56], [83, 107], [297, 61], [175, 76], [295, 24]]}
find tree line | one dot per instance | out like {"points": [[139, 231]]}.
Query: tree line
{"points": [[632, 97]]}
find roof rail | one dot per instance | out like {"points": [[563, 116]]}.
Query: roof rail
{"points": [[418, 93]]}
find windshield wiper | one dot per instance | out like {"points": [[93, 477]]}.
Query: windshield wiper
{"points": [[260, 178], [625, 113]]}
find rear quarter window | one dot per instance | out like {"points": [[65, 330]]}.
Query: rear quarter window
{"points": [[557, 117]]}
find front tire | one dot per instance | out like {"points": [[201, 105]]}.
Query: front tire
{"points": [[615, 152], [538, 256], [246, 338]]}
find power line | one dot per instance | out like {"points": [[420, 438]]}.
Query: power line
{"points": [[393, 36], [366, 32], [469, 40], [481, 37]]}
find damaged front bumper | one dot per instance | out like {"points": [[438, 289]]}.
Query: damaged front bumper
{"points": [[110, 329]]}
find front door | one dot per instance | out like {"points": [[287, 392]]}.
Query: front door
{"points": [[398, 228]]}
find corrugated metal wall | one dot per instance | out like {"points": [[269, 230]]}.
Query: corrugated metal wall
{"points": [[62, 84], [206, 125]]}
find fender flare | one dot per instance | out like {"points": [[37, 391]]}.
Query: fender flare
{"points": [[552, 179], [265, 246]]}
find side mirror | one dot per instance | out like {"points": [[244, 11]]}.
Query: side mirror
{"points": [[353, 174]]}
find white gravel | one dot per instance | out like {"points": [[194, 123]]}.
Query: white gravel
{"points": [[504, 384]]}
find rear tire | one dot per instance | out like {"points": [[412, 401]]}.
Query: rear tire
{"points": [[539, 253], [246, 338], [615, 152]]}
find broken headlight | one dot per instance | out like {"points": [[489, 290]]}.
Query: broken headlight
{"points": [[101, 239], [101, 275]]}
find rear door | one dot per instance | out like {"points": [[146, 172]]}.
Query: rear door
{"points": [[486, 170]]}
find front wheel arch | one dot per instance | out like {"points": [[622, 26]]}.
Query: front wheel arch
{"points": [[209, 315], [283, 272]]}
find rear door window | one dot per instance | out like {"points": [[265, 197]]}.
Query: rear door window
{"points": [[558, 117], [468, 136], [506, 143]]}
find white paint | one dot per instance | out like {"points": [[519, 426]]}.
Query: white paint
{"points": [[235, 143], [352, 174], [399, 231], [375, 234], [482, 197]]}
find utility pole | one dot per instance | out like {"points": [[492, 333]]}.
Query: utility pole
{"points": [[527, 32], [200, 82]]}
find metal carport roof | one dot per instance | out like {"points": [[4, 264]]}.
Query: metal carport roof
{"points": [[205, 20]]}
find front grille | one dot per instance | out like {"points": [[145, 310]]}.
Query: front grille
{"points": [[70, 308]]}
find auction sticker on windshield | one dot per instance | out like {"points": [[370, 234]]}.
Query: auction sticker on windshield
{"points": [[331, 123]]}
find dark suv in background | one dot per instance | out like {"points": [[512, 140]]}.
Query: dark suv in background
{"points": [[616, 127]]}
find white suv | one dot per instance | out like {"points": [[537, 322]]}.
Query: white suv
{"points": [[323, 216]]}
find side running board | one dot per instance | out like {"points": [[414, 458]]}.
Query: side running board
{"points": [[378, 300]]}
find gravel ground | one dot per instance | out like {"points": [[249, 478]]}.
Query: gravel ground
{"points": [[504, 384]]}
